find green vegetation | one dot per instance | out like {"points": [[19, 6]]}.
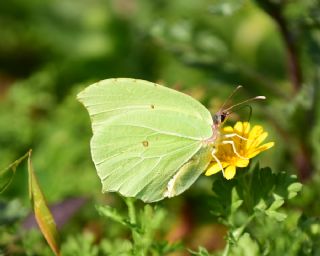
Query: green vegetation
{"points": [[51, 50]]}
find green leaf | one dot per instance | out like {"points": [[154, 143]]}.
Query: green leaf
{"points": [[80, 244], [293, 189], [235, 199], [114, 215], [277, 203], [201, 252], [287, 185], [42, 213], [245, 246], [150, 219], [276, 215], [165, 247], [269, 191], [256, 193], [117, 247], [222, 200]]}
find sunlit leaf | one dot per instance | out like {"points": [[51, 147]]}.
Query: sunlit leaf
{"points": [[246, 246], [276, 215]]}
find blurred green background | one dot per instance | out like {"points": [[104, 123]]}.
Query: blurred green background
{"points": [[50, 50]]}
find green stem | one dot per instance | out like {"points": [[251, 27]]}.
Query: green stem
{"points": [[131, 210], [137, 250], [226, 249], [11, 168], [237, 235], [15, 164]]}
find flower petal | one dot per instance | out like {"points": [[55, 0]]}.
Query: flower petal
{"points": [[242, 162], [215, 168], [256, 131], [254, 142], [228, 129], [242, 128], [229, 172], [246, 146], [266, 146], [258, 150]]}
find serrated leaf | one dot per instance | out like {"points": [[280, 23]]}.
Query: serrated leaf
{"points": [[246, 246], [283, 181], [165, 248], [114, 215], [261, 184], [117, 247], [42, 213], [276, 204], [269, 191], [201, 252], [261, 193], [293, 189], [236, 201], [221, 201], [151, 219], [276, 215], [261, 206], [236, 233], [81, 244]]}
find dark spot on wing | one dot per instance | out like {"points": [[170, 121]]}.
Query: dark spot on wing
{"points": [[152, 106], [145, 143]]}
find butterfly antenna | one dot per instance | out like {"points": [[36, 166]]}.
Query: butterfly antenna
{"points": [[250, 113], [241, 107], [229, 97], [245, 101]]}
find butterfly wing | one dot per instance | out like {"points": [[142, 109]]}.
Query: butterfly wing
{"points": [[147, 138]]}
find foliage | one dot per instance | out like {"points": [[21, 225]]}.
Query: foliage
{"points": [[143, 228], [250, 201], [42, 213], [50, 50]]}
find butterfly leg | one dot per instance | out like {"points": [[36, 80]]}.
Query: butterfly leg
{"points": [[230, 135], [231, 142], [217, 160]]}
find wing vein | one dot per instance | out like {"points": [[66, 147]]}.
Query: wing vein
{"points": [[162, 132]]}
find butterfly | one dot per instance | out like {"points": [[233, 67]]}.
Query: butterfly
{"points": [[149, 141]]}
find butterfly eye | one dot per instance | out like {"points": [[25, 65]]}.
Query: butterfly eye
{"points": [[223, 117], [219, 118]]}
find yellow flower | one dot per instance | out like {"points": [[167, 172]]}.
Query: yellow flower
{"points": [[246, 143]]}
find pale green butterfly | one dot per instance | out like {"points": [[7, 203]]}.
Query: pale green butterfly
{"points": [[149, 141]]}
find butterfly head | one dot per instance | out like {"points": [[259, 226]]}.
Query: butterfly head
{"points": [[220, 117]]}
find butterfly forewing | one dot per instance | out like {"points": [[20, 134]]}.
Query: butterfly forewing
{"points": [[143, 135]]}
